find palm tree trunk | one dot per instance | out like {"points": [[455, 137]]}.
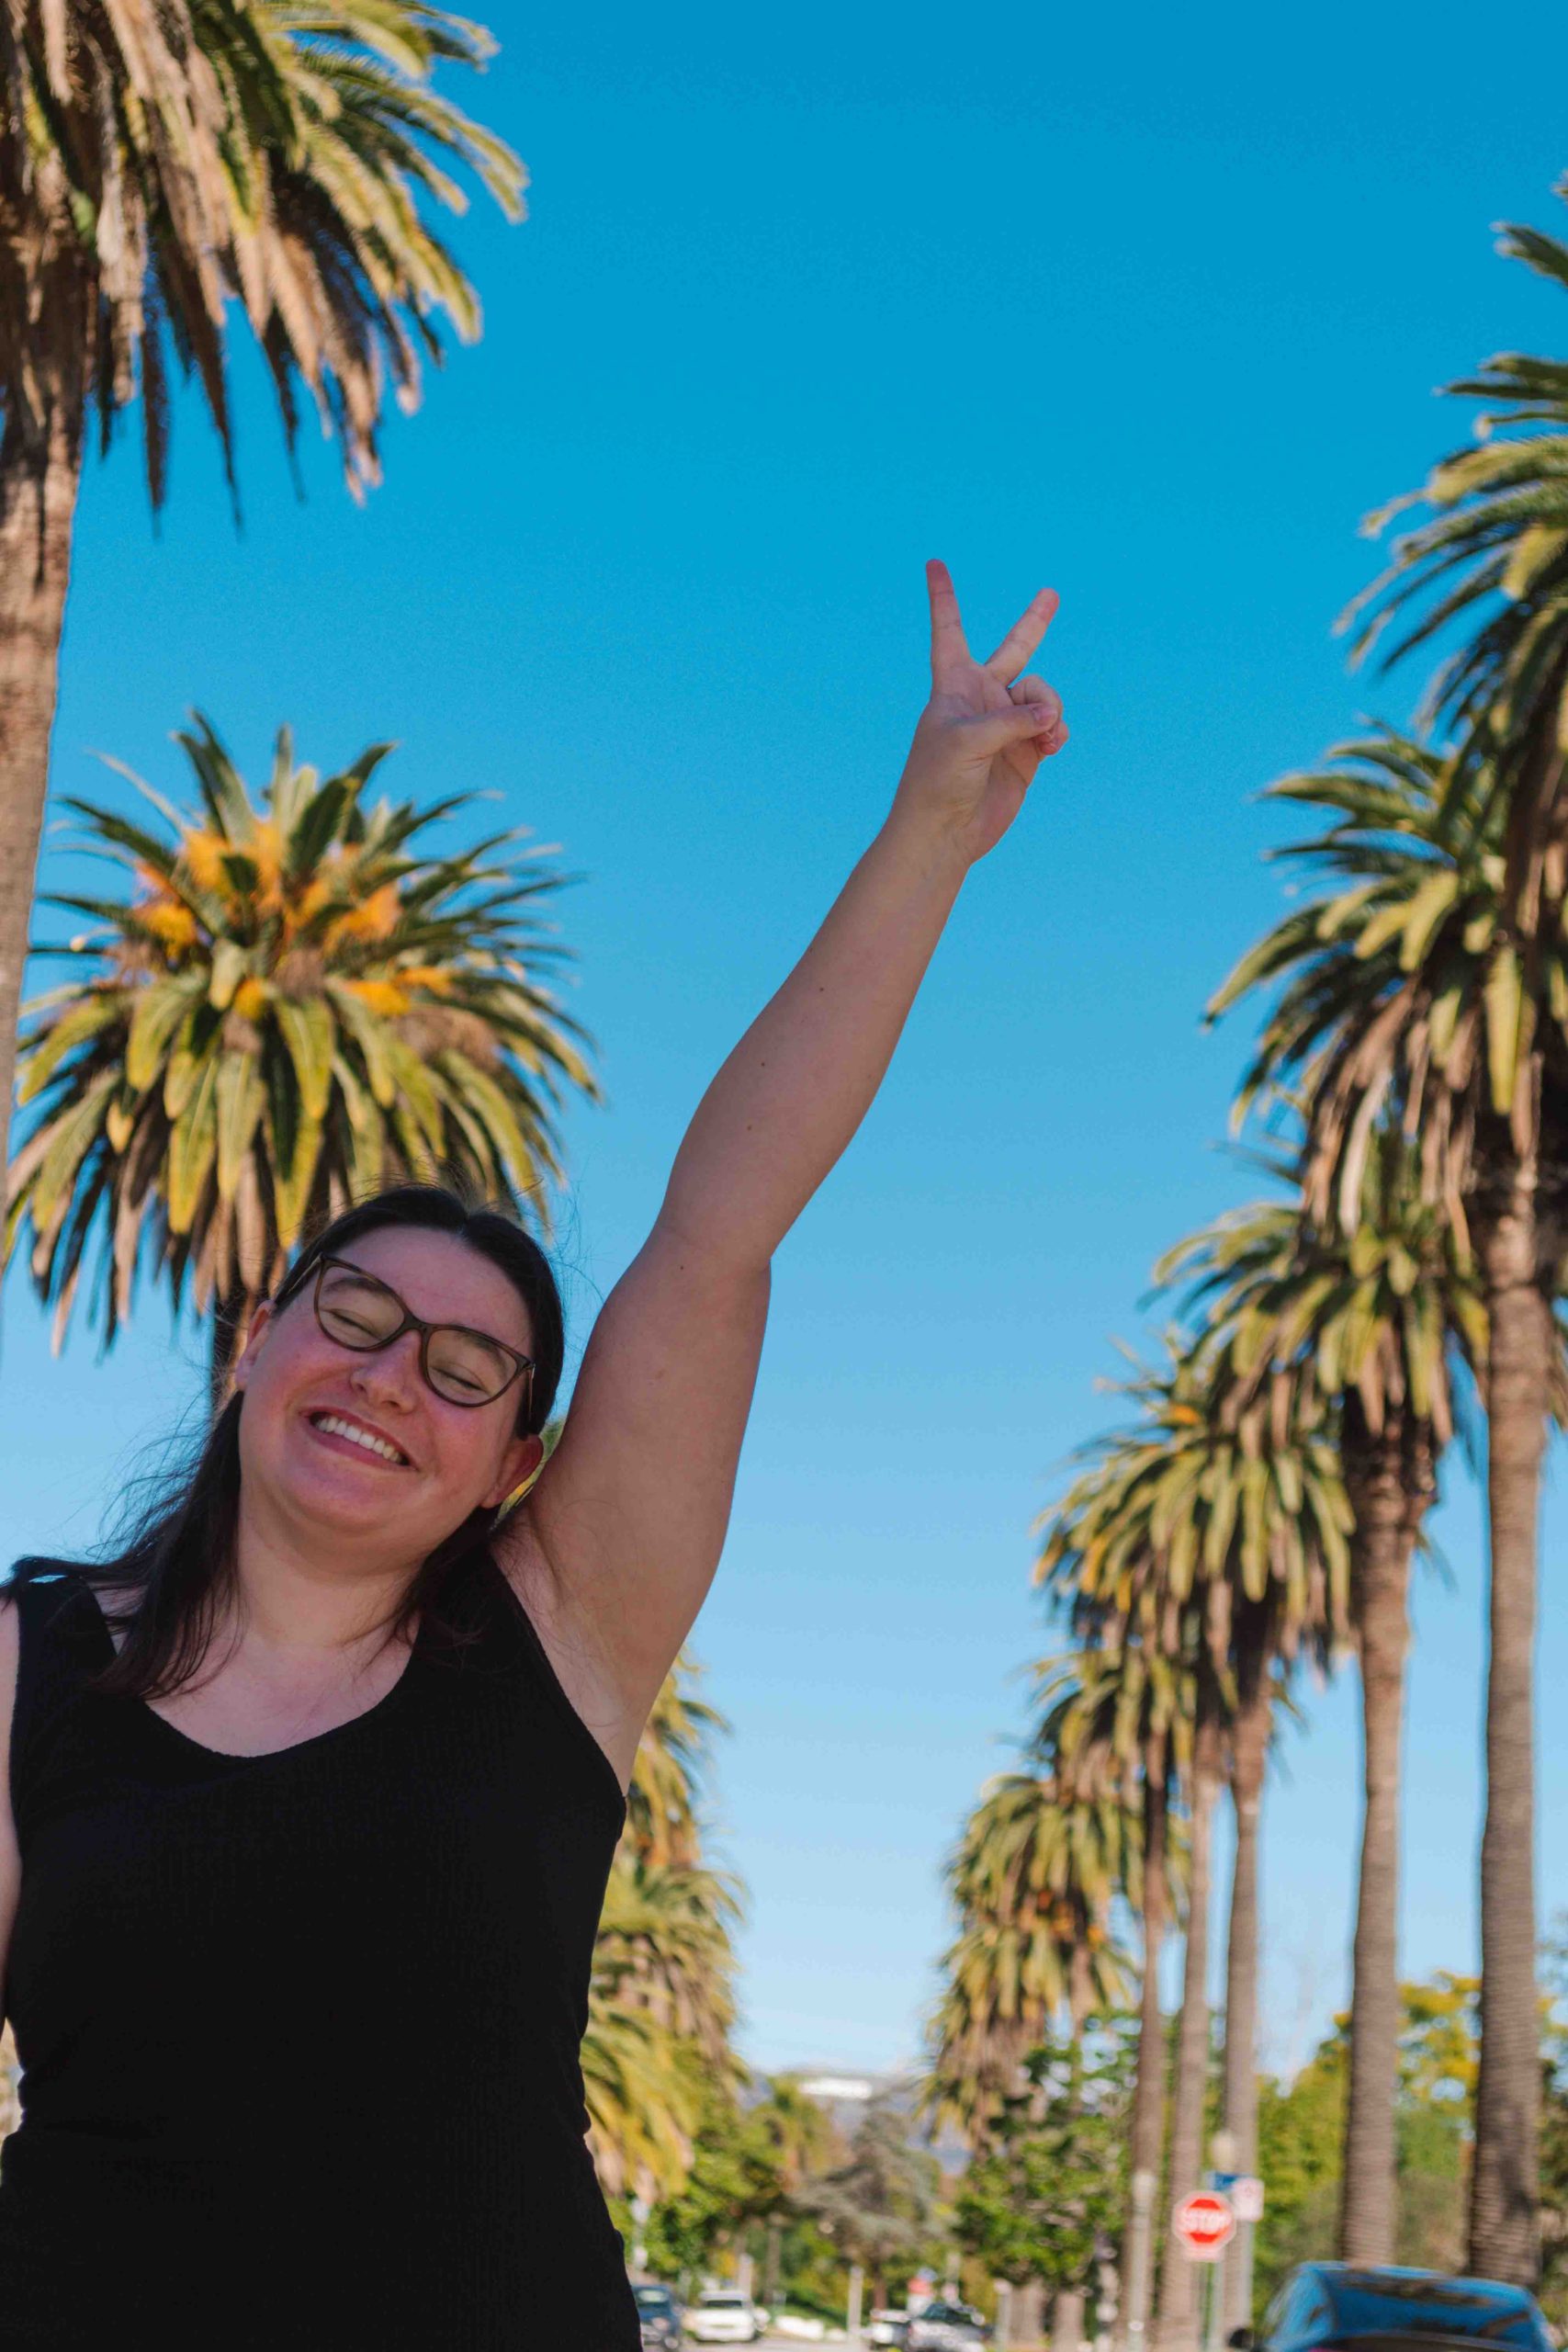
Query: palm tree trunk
{"points": [[1250, 1751], [1504, 2241], [1391, 1481], [1148, 2098], [1178, 2323], [1066, 2320], [1147, 2142], [40, 467], [1067, 2312], [1027, 2312]]}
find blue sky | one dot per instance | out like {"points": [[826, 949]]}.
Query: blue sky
{"points": [[1145, 304]]}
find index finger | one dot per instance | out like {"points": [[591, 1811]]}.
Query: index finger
{"points": [[949, 645], [1024, 636]]}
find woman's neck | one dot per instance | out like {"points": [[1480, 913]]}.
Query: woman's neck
{"points": [[299, 1604]]}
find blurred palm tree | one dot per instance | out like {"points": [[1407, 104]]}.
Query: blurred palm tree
{"points": [[661, 2001], [293, 1007], [663, 1824], [159, 165], [1031, 1880], [1369, 1323], [1407, 987]]}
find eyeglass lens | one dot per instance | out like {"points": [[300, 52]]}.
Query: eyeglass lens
{"points": [[362, 1313]]}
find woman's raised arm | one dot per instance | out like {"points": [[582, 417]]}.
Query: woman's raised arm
{"points": [[626, 1522]]}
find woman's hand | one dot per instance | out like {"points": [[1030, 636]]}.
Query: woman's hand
{"points": [[985, 730]]}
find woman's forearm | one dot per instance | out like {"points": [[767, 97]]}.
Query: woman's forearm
{"points": [[788, 1099]]}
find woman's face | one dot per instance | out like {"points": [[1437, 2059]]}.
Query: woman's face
{"points": [[454, 1458]]}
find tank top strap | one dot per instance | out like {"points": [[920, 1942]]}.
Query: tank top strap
{"points": [[61, 1641]]}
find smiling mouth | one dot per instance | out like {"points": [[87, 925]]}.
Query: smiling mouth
{"points": [[341, 1440]]}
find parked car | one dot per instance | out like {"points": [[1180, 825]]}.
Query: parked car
{"points": [[946, 2327], [721, 2316], [1342, 2305], [660, 2316], [887, 2327]]}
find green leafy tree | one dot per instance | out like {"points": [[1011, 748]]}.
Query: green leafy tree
{"points": [[1045, 2201], [736, 2174], [293, 1006], [164, 168], [880, 2205], [1301, 2137]]}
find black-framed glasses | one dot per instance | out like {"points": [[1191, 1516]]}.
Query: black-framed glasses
{"points": [[359, 1310]]}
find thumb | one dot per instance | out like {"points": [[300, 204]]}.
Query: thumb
{"points": [[995, 729]]}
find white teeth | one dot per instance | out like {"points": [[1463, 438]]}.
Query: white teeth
{"points": [[340, 1428]]}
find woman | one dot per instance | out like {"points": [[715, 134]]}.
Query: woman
{"points": [[312, 1793]]}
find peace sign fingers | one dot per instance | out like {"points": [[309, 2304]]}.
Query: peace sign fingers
{"points": [[950, 647], [1023, 636]]}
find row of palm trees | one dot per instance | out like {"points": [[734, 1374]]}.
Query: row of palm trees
{"points": [[1263, 1501]]}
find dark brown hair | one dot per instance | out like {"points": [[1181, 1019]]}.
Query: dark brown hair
{"points": [[178, 1556]]}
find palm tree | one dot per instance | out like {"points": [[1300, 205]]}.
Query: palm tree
{"points": [[1122, 1719], [663, 1823], [661, 2003], [1220, 1534], [1494, 553], [1369, 1324], [1407, 986], [644, 2098], [293, 1007], [158, 164], [1032, 1880]]}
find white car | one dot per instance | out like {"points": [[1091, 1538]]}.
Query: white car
{"points": [[721, 2317]]}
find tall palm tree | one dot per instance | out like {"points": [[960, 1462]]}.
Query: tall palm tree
{"points": [[1121, 1719], [1032, 1880], [159, 165], [293, 1006], [1492, 555], [1369, 1324], [1406, 984], [1103, 1561], [1222, 1534]]}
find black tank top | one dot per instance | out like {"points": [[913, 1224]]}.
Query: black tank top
{"points": [[299, 2032]]}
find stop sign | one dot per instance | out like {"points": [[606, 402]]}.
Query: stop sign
{"points": [[1204, 2224]]}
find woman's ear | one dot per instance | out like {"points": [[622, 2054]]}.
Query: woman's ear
{"points": [[523, 1457], [260, 1320]]}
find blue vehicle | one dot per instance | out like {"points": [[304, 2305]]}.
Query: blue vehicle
{"points": [[660, 2316], [1341, 2307]]}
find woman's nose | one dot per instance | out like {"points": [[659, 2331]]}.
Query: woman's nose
{"points": [[391, 1372]]}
